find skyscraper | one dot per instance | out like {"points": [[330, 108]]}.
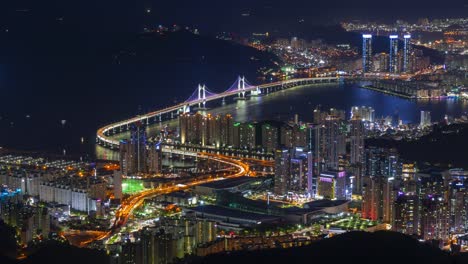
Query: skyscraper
{"points": [[244, 135], [357, 152], [293, 171], [301, 171], [270, 137], [364, 113], [226, 125], [434, 218], [393, 54], [184, 124], [425, 119], [332, 185], [294, 135], [381, 62], [366, 53], [133, 154], [282, 164], [382, 162], [406, 52], [335, 143], [357, 140], [154, 158], [378, 198], [458, 204], [117, 185], [406, 218]]}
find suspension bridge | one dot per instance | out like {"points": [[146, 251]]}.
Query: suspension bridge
{"points": [[241, 89]]}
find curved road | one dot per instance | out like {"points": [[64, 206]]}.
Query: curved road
{"points": [[127, 207]]}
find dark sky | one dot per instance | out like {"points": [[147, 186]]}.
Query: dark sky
{"points": [[220, 15]]}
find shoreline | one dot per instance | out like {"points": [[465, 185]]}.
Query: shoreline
{"points": [[370, 87]]}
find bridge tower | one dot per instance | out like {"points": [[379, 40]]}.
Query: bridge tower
{"points": [[202, 94], [241, 87]]}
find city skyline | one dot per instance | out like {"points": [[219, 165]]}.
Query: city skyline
{"points": [[209, 132]]}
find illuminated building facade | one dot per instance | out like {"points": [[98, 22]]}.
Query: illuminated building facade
{"points": [[332, 184], [378, 198], [393, 63], [293, 171], [366, 53], [270, 137], [406, 52], [133, 154], [244, 135], [406, 219], [425, 119]]}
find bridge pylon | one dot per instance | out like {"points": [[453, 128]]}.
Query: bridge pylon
{"points": [[241, 88], [202, 95]]}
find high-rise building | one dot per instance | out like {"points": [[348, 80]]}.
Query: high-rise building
{"points": [[184, 125], [169, 239], [434, 218], [364, 113], [282, 171], [458, 204], [225, 124], [293, 171], [366, 53], [270, 137], [393, 65], [137, 155], [378, 198], [406, 219], [357, 135], [334, 141], [133, 154], [381, 62], [406, 52], [138, 139], [195, 130], [294, 135], [244, 135], [318, 116], [425, 119], [206, 130], [210, 132], [332, 184], [118, 185], [314, 144], [154, 158], [301, 180], [382, 162]]}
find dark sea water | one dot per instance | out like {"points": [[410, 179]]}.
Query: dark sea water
{"points": [[35, 100]]}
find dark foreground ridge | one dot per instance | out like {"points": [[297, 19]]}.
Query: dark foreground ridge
{"points": [[352, 247]]}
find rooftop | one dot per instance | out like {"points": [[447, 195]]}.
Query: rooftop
{"points": [[319, 204], [227, 212], [229, 183]]}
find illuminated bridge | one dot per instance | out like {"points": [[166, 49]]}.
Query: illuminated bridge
{"points": [[241, 88]]}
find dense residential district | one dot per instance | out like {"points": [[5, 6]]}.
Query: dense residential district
{"points": [[190, 181]]}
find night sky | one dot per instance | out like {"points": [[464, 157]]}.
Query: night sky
{"points": [[216, 15]]}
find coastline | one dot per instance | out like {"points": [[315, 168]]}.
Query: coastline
{"points": [[370, 87]]}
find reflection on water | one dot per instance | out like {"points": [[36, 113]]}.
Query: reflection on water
{"points": [[108, 154], [302, 100]]}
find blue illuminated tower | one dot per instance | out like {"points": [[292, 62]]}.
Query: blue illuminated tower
{"points": [[366, 53], [406, 52], [393, 54]]}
